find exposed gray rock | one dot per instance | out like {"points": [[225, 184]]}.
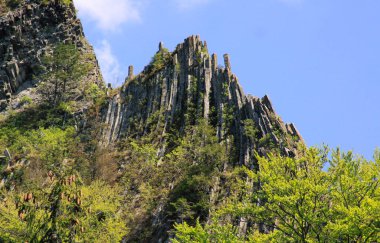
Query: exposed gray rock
{"points": [[189, 87], [130, 72], [29, 32], [227, 62]]}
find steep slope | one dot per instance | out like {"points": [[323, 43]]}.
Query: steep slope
{"points": [[169, 137], [180, 88], [169, 102], [26, 35], [179, 152]]}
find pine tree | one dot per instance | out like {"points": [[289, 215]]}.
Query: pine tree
{"points": [[63, 70]]}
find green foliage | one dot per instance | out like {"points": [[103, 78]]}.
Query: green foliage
{"points": [[23, 132], [153, 120], [355, 192], [228, 117], [204, 50], [183, 209], [63, 211], [376, 155], [296, 191], [198, 57], [266, 140], [209, 233], [35, 117], [192, 93], [7, 5], [159, 60], [250, 129], [186, 233], [103, 221], [202, 157], [3, 7], [12, 229], [65, 2], [44, 149], [301, 201], [43, 137], [25, 100], [96, 94], [178, 67], [180, 179], [43, 198], [63, 71]]}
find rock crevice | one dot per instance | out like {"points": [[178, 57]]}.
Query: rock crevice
{"points": [[190, 86], [31, 31]]}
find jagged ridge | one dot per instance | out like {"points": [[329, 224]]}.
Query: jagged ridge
{"points": [[191, 86], [176, 90]]}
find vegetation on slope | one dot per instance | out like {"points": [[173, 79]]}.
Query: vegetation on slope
{"points": [[8, 5], [59, 186], [49, 191], [296, 200]]}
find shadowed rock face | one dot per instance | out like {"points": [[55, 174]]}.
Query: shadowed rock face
{"points": [[26, 34], [176, 90], [188, 87]]}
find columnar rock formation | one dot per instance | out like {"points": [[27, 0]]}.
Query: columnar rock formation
{"points": [[187, 87], [130, 72], [30, 31], [175, 91]]}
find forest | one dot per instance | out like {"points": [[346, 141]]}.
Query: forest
{"points": [[182, 182], [60, 187]]}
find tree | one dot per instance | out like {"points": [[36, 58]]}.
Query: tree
{"points": [[176, 184], [63, 70], [295, 194], [12, 229], [298, 200], [355, 204], [208, 233], [63, 211], [201, 158]]}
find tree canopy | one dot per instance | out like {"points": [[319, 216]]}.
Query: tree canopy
{"points": [[313, 198], [62, 71]]}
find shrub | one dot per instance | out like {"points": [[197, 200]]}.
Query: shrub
{"points": [[25, 100], [159, 60]]}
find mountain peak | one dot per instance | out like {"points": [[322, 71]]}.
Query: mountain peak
{"points": [[180, 88], [178, 96]]}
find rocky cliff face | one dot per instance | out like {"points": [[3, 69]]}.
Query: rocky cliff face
{"points": [[29, 32], [175, 91], [180, 88]]}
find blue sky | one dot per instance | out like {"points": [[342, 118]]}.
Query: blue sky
{"points": [[318, 60]]}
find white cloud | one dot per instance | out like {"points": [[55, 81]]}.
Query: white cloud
{"points": [[189, 4], [109, 14], [108, 63]]}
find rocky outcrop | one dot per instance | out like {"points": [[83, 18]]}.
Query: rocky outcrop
{"points": [[180, 88], [26, 34], [176, 90]]}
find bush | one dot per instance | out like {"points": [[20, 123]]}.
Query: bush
{"points": [[299, 201], [159, 60], [25, 100]]}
